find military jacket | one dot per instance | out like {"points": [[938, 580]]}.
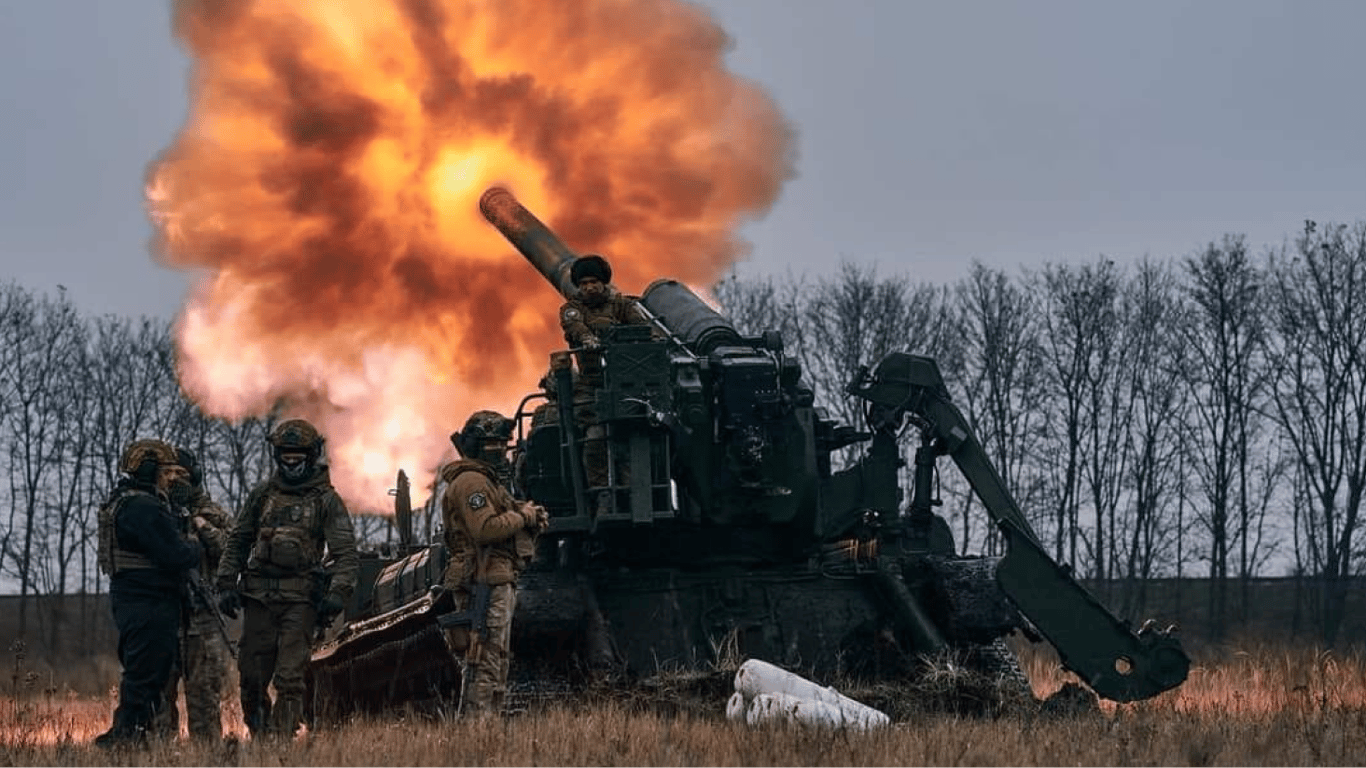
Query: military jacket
{"points": [[582, 322], [210, 524], [485, 528], [282, 536], [154, 555]]}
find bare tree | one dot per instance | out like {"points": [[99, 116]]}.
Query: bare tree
{"points": [[239, 458], [70, 518], [14, 325], [126, 380], [131, 380], [851, 319], [1004, 382], [1224, 338], [835, 324], [1156, 438], [758, 304], [48, 349], [1081, 335], [1318, 309], [1110, 413]]}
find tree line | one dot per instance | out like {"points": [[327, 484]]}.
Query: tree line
{"points": [[1200, 416]]}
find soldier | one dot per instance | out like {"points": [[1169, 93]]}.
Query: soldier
{"points": [[272, 568], [491, 538], [596, 306], [148, 559], [202, 663]]}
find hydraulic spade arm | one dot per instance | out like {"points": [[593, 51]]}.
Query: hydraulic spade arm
{"points": [[1116, 662]]}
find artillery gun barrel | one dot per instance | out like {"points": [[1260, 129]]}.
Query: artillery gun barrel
{"points": [[672, 303], [701, 328], [546, 252]]}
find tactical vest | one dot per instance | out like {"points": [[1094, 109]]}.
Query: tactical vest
{"points": [[111, 557], [289, 534]]}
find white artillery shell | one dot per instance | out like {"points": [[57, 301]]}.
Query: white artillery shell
{"points": [[735, 708], [795, 695], [782, 707]]}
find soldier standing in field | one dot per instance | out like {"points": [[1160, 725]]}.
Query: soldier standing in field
{"points": [[148, 559], [596, 306], [272, 568], [203, 663], [491, 538]]}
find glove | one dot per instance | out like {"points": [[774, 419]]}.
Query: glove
{"points": [[329, 607], [534, 517], [230, 602], [590, 342]]}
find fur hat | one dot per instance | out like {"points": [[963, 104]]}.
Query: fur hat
{"points": [[590, 265]]}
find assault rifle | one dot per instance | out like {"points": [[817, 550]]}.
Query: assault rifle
{"points": [[476, 617], [201, 598]]}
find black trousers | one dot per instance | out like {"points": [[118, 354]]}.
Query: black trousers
{"points": [[149, 642]]}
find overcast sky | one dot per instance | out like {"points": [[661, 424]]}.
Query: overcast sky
{"points": [[930, 134]]}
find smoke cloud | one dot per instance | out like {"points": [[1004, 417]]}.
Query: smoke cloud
{"points": [[325, 184]]}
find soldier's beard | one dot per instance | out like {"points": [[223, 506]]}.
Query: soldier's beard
{"points": [[594, 299]]}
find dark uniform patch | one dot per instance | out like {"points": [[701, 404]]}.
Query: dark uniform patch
{"points": [[476, 501]]}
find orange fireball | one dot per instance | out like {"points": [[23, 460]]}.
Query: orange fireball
{"points": [[326, 184]]}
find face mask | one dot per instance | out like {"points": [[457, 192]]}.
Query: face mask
{"points": [[294, 471], [180, 492]]}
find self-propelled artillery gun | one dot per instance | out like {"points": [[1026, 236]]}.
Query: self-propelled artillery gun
{"points": [[726, 528]]}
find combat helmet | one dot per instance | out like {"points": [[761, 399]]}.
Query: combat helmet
{"points": [[141, 458], [295, 436], [187, 459], [479, 427]]}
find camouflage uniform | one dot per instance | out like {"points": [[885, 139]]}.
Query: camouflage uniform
{"points": [[277, 549], [490, 537], [583, 325], [203, 651]]}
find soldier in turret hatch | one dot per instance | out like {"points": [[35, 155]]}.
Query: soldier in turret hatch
{"points": [[596, 306]]}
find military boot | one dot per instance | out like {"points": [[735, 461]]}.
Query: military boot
{"points": [[285, 718], [119, 737], [257, 719]]}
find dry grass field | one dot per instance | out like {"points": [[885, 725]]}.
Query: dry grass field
{"points": [[1258, 705]]}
